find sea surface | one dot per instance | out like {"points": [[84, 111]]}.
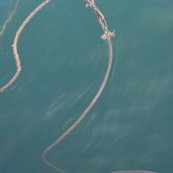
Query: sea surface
{"points": [[63, 64]]}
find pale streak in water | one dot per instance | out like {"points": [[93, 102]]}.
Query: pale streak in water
{"points": [[8, 19]]}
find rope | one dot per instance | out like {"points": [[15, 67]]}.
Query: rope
{"points": [[135, 171], [107, 35], [14, 46], [67, 132], [83, 115]]}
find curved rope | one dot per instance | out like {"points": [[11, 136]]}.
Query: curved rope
{"points": [[14, 46], [135, 171], [49, 148], [107, 35], [67, 132]]}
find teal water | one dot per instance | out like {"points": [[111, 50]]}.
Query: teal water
{"points": [[63, 63]]}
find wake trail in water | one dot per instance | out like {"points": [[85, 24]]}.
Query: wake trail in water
{"points": [[8, 19]]}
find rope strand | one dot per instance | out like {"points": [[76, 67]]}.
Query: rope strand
{"points": [[83, 115], [107, 35], [14, 46]]}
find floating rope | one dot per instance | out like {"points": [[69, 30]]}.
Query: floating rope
{"points": [[106, 36], [14, 46]]}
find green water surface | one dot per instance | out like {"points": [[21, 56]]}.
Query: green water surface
{"points": [[63, 64]]}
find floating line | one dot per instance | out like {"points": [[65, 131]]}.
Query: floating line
{"points": [[14, 46]]}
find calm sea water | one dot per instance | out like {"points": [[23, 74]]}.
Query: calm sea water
{"points": [[63, 63]]}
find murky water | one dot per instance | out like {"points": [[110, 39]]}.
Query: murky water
{"points": [[63, 63]]}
